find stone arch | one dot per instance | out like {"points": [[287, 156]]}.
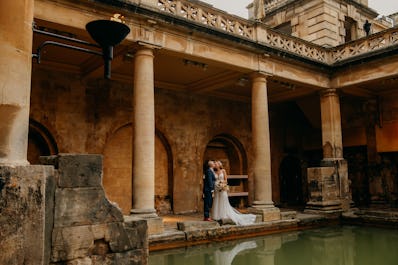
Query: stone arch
{"points": [[117, 179], [117, 171], [40, 142], [231, 153], [164, 181]]}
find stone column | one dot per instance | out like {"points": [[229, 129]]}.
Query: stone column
{"points": [[332, 143], [377, 190], [262, 203], [144, 139], [16, 18]]}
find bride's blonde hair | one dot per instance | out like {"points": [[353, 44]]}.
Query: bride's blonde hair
{"points": [[221, 166]]}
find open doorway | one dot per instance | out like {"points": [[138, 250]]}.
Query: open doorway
{"points": [[291, 184]]}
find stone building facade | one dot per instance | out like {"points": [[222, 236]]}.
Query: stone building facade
{"points": [[297, 101]]}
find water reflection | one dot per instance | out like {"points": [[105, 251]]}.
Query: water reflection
{"points": [[327, 246]]}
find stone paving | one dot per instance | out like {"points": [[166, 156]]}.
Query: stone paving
{"points": [[188, 229]]}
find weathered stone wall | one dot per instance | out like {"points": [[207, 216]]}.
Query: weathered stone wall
{"points": [[190, 122], [26, 214], [88, 229]]}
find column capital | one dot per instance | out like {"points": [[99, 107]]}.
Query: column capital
{"points": [[260, 74], [148, 45], [329, 92]]}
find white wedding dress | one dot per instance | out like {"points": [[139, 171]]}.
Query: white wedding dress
{"points": [[223, 210]]}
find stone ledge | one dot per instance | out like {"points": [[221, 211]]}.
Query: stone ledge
{"points": [[216, 232], [288, 215], [187, 226]]}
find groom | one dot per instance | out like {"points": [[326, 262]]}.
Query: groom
{"points": [[208, 189]]}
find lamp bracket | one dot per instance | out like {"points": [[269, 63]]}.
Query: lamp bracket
{"points": [[38, 53]]}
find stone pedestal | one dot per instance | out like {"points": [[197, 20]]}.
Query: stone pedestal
{"points": [[324, 191], [26, 214]]}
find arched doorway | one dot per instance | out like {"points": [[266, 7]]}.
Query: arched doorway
{"points": [[40, 142], [118, 158], [231, 153], [117, 179], [163, 175], [290, 174]]}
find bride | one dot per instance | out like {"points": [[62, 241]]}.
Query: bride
{"points": [[221, 208]]}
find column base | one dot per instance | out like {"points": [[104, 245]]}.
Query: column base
{"points": [[325, 207], [153, 221], [268, 213]]}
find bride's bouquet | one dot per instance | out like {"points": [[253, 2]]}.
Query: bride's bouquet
{"points": [[221, 186]]}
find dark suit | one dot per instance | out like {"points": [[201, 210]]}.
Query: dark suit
{"points": [[208, 187]]}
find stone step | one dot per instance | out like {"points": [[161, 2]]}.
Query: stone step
{"points": [[287, 215], [196, 225]]}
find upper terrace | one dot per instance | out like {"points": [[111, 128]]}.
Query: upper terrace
{"points": [[191, 36], [199, 12]]}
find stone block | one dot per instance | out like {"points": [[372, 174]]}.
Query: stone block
{"points": [[132, 257], [287, 215], [114, 234], [323, 184], [196, 225], [70, 243], [153, 222], [77, 170], [84, 206], [137, 231], [81, 241], [268, 213], [155, 225], [26, 196]]}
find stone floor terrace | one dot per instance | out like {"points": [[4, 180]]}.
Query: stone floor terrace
{"points": [[188, 229]]}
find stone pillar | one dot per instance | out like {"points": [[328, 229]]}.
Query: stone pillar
{"points": [[144, 139], [377, 191], [332, 142], [262, 203], [16, 18], [328, 184]]}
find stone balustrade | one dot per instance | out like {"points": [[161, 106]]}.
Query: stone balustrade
{"points": [[211, 17], [207, 15], [374, 42]]}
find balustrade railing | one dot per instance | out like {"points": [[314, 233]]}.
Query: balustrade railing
{"points": [[362, 46], [296, 46], [207, 15]]}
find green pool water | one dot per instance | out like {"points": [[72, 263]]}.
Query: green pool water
{"points": [[346, 245]]}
